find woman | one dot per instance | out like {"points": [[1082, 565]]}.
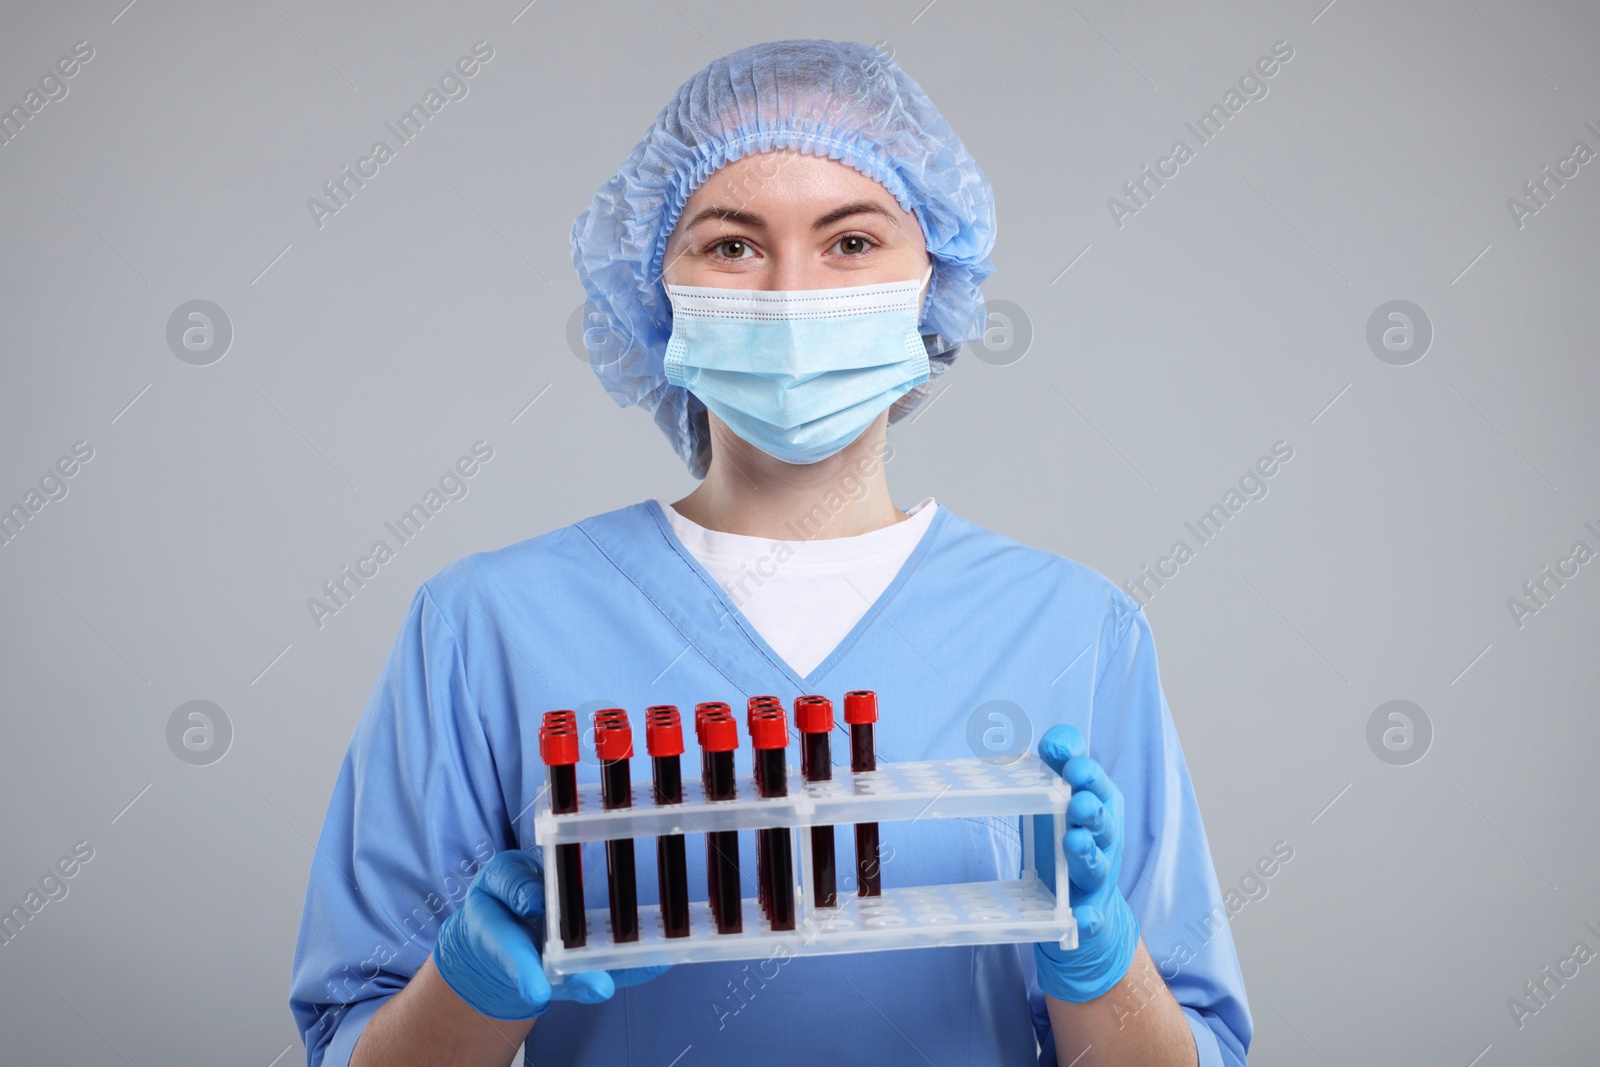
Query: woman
{"points": [[777, 272]]}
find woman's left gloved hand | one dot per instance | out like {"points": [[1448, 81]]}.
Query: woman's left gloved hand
{"points": [[1108, 932]]}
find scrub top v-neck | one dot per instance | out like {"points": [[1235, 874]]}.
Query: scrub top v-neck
{"points": [[803, 593], [978, 640]]}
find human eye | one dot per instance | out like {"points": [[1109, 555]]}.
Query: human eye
{"points": [[730, 248], [855, 245]]}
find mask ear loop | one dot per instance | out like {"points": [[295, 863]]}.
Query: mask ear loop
{"points": [[926, 288]]}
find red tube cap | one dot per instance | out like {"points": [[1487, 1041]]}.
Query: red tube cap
{"points": [[613, 737], [860, 706], [719, 733], [768, 729], [756, 704], [663, 733], [558, 739], [813, 714], [707, 708]]}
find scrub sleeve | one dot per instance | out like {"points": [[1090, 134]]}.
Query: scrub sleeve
{"points": [[416, 810], [1167, 875]]}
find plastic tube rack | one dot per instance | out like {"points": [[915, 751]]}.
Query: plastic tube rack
{"points": [[966, 913]]}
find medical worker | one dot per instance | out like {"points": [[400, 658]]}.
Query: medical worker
{"points": [[782, 268]]}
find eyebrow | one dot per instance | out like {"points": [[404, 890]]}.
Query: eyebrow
{"points": [[745, 218]]}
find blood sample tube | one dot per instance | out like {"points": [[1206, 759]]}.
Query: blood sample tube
{"points": [[664, 740], [860, 712], [769, 736], [757, 710], [720, 738], [701, 712], [754, 707], [613, 743], [558, 748], [813, 716]]}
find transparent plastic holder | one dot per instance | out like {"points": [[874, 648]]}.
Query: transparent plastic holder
{"points": [[929, 916]]}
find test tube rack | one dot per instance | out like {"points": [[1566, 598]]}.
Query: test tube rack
{"points": [[896, 917]]}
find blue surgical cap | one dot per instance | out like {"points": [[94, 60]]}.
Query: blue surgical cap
{"points": [[838, 99]]}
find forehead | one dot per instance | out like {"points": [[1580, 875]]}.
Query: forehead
{"points": [[782, 182]]}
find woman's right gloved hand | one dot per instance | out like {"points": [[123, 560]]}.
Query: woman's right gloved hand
{"points": [[488, 954]]}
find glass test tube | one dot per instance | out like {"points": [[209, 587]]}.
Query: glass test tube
{"points": [[664, 740], [701, 710], [613, 743], [558, 748], [769, 736], [755, 706], [860, 712], [719, 739], [813, 716]]}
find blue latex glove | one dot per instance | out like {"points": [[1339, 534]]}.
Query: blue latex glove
{"points": [[488, 949], [1108, 931]]}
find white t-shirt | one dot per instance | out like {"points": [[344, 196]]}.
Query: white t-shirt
{"points": [[803, 597]]}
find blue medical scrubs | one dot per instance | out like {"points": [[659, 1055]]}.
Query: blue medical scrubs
{"points": [[614, 612]]}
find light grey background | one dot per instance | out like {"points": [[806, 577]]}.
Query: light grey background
{"points": [[1229, 313]]}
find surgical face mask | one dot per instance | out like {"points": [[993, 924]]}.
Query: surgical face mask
{"points": [[798, 374]]}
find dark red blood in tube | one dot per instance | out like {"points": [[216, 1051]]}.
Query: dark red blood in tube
{"points": [[720, 738], [860, 712], [769, 736], [613, 743], [760, 707], [558, 748], [664, 740], [752, 707], [813, 717]]}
